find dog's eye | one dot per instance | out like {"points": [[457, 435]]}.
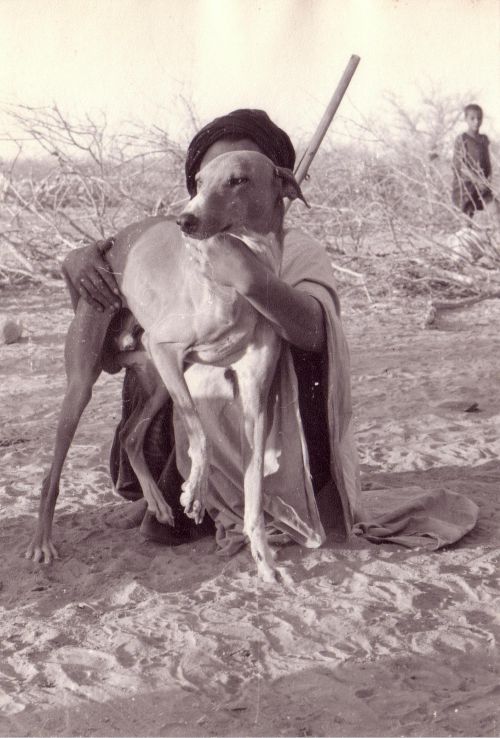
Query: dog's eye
{"points": [[235, 181]]}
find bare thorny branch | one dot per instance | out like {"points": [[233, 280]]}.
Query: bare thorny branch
{"points": [[383, 208], [88, 183]]}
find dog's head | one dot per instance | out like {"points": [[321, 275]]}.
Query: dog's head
{"points": [[239, 190]]}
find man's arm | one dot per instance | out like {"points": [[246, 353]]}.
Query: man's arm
{"points": [[297, 316], [88, 275]]}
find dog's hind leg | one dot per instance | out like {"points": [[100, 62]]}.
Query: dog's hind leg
{"points": [[255, 372], [169, 362], [133, 434], [83, 358]]}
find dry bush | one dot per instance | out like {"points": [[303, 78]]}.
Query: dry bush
{"points": [[382, 205], [89, 183]]}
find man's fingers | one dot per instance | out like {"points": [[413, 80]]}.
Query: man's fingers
{"points": [[105, 270], [90, 295], [99, 291], [103, 279]]}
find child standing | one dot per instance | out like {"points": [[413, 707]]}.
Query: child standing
{"points": [[471, 165]]}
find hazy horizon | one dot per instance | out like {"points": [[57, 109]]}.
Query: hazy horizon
{"points": [[143, 59]]}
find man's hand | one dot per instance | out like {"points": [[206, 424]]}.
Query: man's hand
{"points": [[89, 276], [296, 315], [227, 261]]}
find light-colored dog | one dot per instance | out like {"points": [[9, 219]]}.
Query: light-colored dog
{"points": [[187, 318]]}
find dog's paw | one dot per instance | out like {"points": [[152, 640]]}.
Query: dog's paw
{"points": [[198, 511], [275, 575], [267, 574], [193, 507], [191, 500], [285, 578], [165, 515], [41, 550]]}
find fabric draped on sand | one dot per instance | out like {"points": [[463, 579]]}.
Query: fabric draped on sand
{"points": [[409, 516], [416, 517]]}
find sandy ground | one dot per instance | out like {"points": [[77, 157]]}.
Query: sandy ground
{"points": [[124, 637]]}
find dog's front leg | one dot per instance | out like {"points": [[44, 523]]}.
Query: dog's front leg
{"points": [[255, 372], [168, 359]]}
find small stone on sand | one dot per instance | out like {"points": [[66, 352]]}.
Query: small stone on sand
{"points": [[10, 330]]}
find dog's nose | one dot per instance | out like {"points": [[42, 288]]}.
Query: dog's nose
{"points": [[188, 222]]}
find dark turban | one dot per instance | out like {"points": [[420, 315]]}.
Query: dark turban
{"points": [[253, 124]]}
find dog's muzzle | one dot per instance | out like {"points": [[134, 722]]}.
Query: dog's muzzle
{"points": [[188, 223]]}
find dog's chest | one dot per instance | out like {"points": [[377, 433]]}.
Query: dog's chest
{"points": [[223, 323], [175, 303], [226, 321]]}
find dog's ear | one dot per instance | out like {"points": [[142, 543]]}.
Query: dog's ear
{"points": [[289, 186]]}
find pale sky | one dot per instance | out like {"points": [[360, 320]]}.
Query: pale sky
{"points": [[132, 58]]}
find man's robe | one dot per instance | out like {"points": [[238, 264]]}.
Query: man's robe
{"points": [[310, 399]]}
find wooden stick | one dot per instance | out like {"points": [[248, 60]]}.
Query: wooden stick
{"points": [[436, 309], [324, 124], [466, 302]]}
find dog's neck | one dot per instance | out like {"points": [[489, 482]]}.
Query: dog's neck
{"points": [[267, 247]]}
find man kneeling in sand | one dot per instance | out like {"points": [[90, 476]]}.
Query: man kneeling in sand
{"points": [[303, 306], [310, 457]]}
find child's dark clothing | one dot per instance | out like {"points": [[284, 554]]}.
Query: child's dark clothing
{"points": [[471, 173]]}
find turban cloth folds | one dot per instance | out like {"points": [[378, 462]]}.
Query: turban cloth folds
{"points": [[253, 124]]}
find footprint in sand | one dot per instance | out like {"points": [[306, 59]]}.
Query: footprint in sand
{"points": [[83, 666]]}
